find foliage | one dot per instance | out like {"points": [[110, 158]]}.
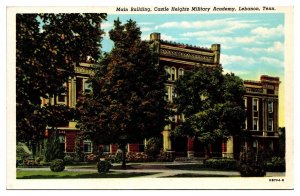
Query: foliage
{"points": [[91, 158], [222, 164], [282, 140], [127, 103], [68, 159], [22, 151], [252, 164], [153, 146], [79, 155], [165, 156], [47, 48], [103, 166], [137, 157], [276, 164], [57, 165], [211, 102], [53, 150]]}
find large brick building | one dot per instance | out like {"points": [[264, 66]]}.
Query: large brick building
{"points": [[261, 101]]}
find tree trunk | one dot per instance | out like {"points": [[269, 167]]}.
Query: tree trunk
{"points": [[122, 146], [207, 151]]}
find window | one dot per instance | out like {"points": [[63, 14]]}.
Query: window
{"points": [[61, 98], [173, 94], [255, 145], [167, 93], [87, 146], [168, 72], [173, 73], [245, 102], [270, 124], [245, 124], [180, 72], [270, 106], [106, 148], [87, 87], [271, 146], [255, 105], [62, 143], [255, 124]]}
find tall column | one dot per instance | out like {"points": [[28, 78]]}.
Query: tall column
{"points": [[229, 148], [190, 147], [166, 140]]}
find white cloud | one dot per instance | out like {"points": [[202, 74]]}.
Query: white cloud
{"points": [[236, 59], [268, 32], [143, 29], [229, 23], [277, 47], [272, 61], [106, 25]]}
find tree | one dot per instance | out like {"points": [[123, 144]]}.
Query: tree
{"points": [[127, 103], [48, 46], [212, 104]]}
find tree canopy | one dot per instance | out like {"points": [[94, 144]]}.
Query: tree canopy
{"points": [[211, 102], [127, 104], [48, 46]]}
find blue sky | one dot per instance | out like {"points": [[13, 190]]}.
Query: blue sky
{"points": [[251, 44]]}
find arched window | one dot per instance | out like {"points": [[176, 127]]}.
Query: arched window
{"points": [[173, 73], [180, 72], [168, 72]]}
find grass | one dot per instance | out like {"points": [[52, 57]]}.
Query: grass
{"points": [[68, 174], [195, 167], [197, 176]]}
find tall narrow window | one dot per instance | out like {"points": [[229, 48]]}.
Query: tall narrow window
{"points": [[255, 124], [270, 106], [87, 146], [180, 72], [167, 93], [87, 87], [173, 94], [255, 104], [168, 72], [245, 102], [173, 73], [270, 124], [61, 98], [62, 143]]}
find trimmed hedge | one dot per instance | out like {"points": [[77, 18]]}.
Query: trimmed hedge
{"points": [[222, 164], [252, 170], [103, 166], [276, 164], [57, 165]]}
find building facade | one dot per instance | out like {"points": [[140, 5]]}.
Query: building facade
{"points": [[261, 103]]}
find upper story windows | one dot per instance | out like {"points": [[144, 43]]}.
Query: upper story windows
{"points": [[87, 87], [255, 104], [172, 73], [270, 106]]}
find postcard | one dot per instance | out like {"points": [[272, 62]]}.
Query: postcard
{"points": [[150, 97]]}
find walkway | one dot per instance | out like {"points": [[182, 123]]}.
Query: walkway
{"points": [[157, 170]]}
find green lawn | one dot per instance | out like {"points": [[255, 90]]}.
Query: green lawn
{"points": [[67, 174], [196, 167], [197, 175]]}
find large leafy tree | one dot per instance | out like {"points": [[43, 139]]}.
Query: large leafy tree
{"points": [[127, 102], [212, 104], [47, 48]]}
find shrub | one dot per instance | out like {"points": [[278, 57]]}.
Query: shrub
{"points": [[276, 164], [252, 170], [68, 159], [91, 158], [165, 156], [252, 164], [152, 147], [118, 156], [222, 164], [57, 165], [137, 157], [103, 166]]}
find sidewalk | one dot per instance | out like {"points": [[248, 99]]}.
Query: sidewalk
{"points": [[157, 170]]}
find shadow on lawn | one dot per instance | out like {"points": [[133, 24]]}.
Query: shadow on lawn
{"points": [[91, 175]]}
